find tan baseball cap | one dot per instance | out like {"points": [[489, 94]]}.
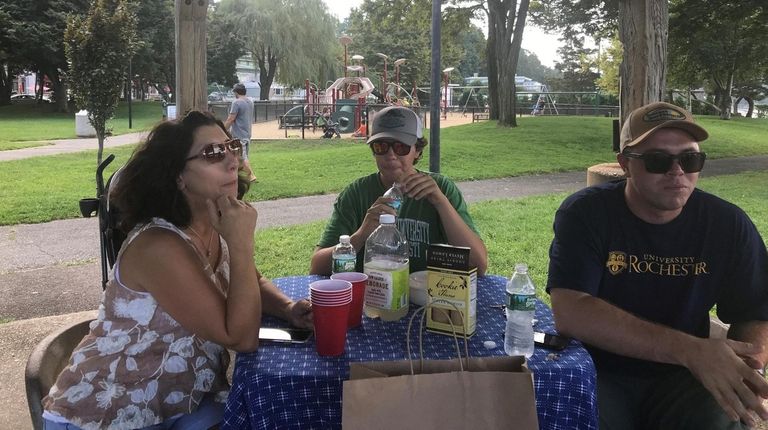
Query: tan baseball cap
{"points": [[398, 123], [643, 121]]}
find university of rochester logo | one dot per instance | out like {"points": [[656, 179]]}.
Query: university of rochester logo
{"points": [[617, 262]]}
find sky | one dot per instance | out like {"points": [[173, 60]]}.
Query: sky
{"points": [[534, 40]]}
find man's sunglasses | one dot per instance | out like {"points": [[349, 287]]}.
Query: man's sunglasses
{"points": [[659, 162], [215, 152], [381, 147]]}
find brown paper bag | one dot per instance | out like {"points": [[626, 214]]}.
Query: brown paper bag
{"points": [[490, 393]]}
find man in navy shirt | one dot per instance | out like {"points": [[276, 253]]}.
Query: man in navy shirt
{"points": [[636, 266]]}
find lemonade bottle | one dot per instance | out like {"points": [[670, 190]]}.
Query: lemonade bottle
{"points": [[386, 264]]}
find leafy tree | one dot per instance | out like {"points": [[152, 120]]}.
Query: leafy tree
{"points": [[10, 32], [529, 65], [576, 67], [154, 62], [290, 40], [642, 30], [506, 22], [474, 59], [225, 46], [406, 34], [42, 49], [722, 43], [98, 47], [608, 63]]}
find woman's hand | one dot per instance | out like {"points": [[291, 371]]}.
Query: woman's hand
{"points": [[300, 314], [235, 220]]}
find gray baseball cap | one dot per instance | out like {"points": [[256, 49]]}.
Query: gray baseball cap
{"points": [[397, 123]]}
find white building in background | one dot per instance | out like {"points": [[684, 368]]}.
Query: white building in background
{"points": [[247, 73], [524, 82]]}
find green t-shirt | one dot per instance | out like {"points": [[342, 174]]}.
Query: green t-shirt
{"points": [[418, 219]]}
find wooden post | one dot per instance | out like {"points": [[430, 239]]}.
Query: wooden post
{"points": [[191, 74], [643, 26]]}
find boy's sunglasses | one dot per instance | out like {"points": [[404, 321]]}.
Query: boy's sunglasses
{"points": [[215, 152], [659, 162], [381, 147]]}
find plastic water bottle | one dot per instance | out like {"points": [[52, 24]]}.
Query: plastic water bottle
{"points": [[521, 304], [396, 194], [344, 256], [386, 264]]}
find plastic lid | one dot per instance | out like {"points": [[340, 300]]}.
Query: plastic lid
{"points": [[344, 238], [386, 219], [521, 268]]}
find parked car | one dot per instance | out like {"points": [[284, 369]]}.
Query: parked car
{"points": [[26, 98]]}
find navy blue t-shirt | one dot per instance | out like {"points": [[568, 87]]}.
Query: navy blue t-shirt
{"points": [[669, 273]]}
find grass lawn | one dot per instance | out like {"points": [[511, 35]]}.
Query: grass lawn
{"points": [[518, 230], [27, 125], [47, 188]]}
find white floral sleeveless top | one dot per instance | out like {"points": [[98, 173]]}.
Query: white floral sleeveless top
{"points": [[138, 367]]}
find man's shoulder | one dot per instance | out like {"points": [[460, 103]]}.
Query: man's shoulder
{"points": [[361, 185], [588, 197], [710, 203], [442, 181]]}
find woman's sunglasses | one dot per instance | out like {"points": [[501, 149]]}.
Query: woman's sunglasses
{"points": [[659, 162], [215, 152], [381, 147]]}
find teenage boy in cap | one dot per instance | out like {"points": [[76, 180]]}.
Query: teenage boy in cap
{"points": [[635, 267], [433, 210], [239, 124]]}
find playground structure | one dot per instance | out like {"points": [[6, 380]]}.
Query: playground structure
{"points": [[347, 101], [342, 103]]}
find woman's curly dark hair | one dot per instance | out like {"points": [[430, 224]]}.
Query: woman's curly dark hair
{"points": [[147, 185]]}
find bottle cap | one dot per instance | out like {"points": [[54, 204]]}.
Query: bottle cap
{"points": [[344, 238], [386, 219], [521, 268]]}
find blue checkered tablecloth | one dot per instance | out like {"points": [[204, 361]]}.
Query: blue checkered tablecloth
{"points": [[291, 387]]}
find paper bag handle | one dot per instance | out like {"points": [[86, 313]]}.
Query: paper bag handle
{"points": [[423, 311]]}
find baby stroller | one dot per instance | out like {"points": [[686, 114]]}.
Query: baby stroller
{"points": [[331, 128], [110, 236]]}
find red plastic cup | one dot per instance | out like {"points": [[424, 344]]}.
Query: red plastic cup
{"points": [[330, 309], [330, 289], [358, 281], [330, 328]]}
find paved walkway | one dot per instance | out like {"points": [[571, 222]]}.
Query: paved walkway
{"points": [[57, 263]]}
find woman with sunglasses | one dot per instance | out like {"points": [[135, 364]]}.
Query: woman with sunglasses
{"points": [[184, 289], [433, 210]]}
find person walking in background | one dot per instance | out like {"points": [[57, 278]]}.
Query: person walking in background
{"points": [[239, 124], [636, 266], [433, 210]]}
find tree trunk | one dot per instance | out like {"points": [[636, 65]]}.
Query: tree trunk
{"points": [[6, 83], [267, 69], [643, 28], [493, 77], [508, 22], [751, 104], [191, 72]]}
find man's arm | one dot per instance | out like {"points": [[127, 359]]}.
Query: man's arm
{"points": [[754, 332], [230, 120], [419, 186], [715, 362], [320, 263]]}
